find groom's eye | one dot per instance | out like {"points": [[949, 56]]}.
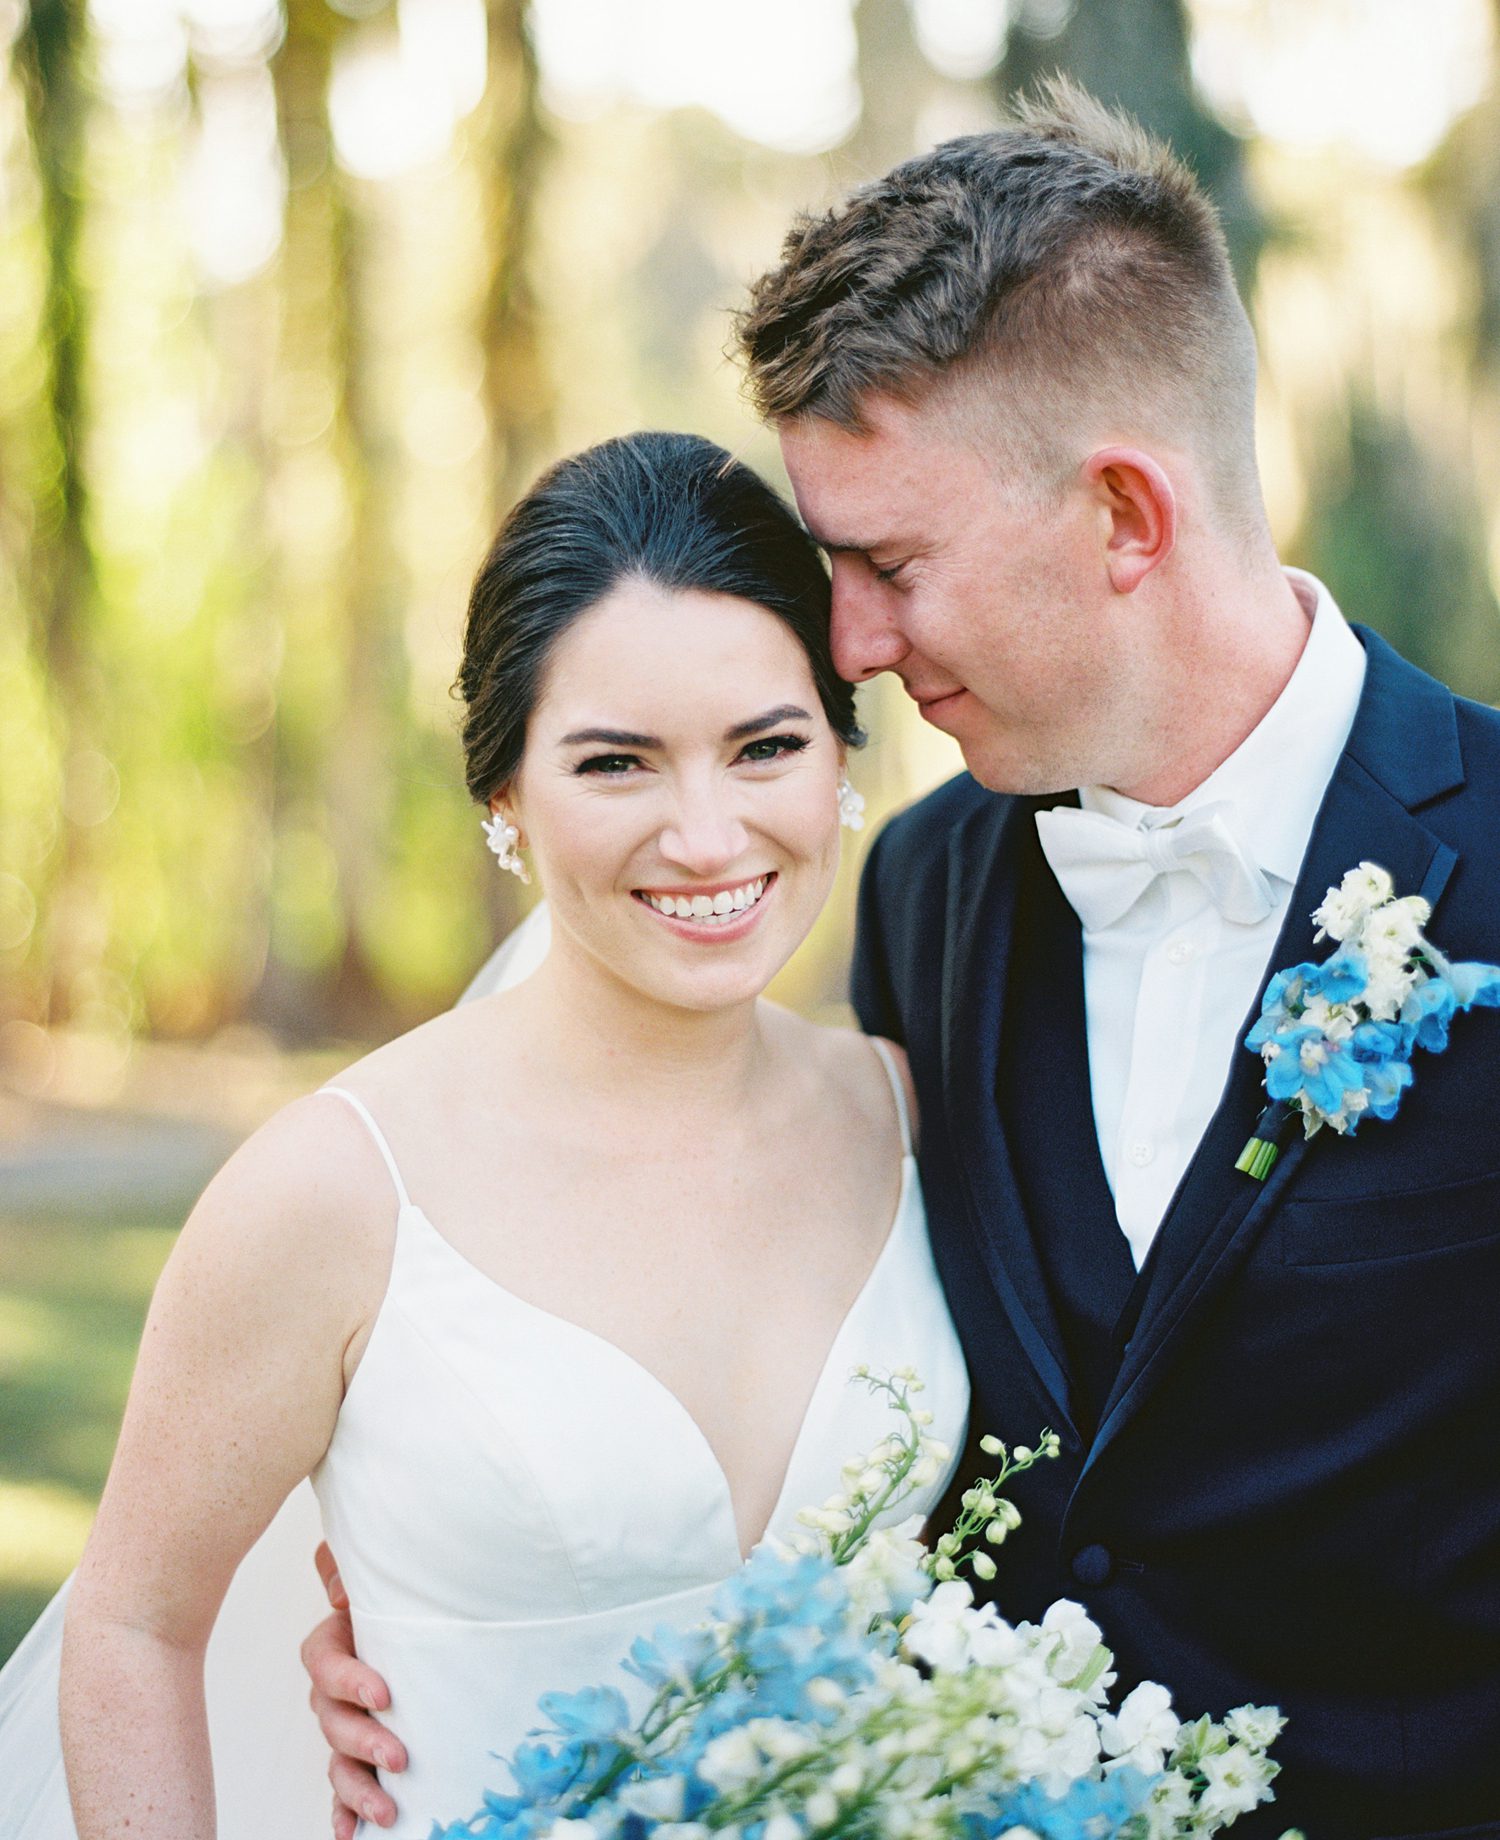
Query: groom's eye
{"points": [[887, 574]]}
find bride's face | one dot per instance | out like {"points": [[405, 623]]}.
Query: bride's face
{"points": [[679, 792]]}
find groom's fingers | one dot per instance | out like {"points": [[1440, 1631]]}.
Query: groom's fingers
{"points": [[328, 1571], [358, 1790], [337, 1673], [355, 1735]]}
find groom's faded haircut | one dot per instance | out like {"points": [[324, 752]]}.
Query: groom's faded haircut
{"points": [[1062, 275]]}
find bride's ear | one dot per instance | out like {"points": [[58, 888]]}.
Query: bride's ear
{"points": [[503, 805]]}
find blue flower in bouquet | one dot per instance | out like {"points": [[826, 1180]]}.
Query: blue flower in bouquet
{"points": [[805, 1591], [1087, 1810], [684, 1656], [592, 1715], [543, 1772]]}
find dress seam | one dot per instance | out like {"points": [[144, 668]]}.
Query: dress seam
{"points": [[391, 1301]]}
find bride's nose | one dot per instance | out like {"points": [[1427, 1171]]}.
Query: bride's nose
{"points": [[704, 833]]}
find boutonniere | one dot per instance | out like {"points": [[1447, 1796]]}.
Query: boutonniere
{"points": [[1338, 1038]]}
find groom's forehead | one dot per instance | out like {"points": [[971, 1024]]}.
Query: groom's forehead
{"points": [[855, 501]]}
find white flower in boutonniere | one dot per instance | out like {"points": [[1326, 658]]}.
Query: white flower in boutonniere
{"points": [[1337, 1038]]}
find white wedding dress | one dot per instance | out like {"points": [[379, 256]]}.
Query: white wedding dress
{"points": [[512, 1500]]}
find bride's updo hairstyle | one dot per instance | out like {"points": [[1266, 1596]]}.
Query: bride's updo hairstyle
{"points": [[670, 509]]}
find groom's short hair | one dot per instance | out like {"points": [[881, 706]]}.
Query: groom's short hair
{"points": [[1064, 269]]}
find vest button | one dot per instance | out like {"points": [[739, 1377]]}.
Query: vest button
{"points": [[1093, 1565]]}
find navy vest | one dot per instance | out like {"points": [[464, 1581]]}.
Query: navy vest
{"points": [[1043, 1092]]}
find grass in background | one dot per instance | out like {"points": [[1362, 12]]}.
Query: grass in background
{"points": [[73, 1297]]}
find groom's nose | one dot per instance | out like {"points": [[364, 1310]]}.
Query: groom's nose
{"points": [[865, 637]]}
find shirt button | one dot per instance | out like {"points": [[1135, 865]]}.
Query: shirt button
{"points": [[1140, 1154], [1179, 952]]}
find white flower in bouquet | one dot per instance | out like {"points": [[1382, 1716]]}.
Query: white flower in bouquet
{"points": [[1257, 1726], [1238, 1780], [1142, 1731]]}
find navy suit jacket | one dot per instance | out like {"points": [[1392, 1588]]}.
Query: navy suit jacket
{"points": [[1291, 1492]]}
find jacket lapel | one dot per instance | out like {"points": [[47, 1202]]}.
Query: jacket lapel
{"points": [[984, 854], [1402, 753]]}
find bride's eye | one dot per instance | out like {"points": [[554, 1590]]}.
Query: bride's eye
{"points": [[610, 764], [772, 747]]}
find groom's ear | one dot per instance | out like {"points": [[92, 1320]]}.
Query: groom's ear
{"points": [[1138, 513]]}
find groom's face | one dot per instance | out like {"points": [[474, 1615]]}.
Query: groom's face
{"points": [[986, 595]]}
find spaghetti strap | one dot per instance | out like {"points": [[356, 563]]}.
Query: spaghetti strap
{"points": [[898, 1090], [342, 1092]]}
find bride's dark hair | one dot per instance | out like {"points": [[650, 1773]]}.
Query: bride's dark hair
{"points": [[671, 509]]}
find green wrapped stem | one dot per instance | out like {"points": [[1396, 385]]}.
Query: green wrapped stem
{"points": [[1258, 1158]]}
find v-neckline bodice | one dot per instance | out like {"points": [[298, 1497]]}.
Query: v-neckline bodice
{"points": [[643, 1375]]}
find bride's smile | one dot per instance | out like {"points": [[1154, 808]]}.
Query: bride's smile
{"points": [[711, 911]]}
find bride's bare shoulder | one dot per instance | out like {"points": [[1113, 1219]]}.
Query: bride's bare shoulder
{"points": [[846, 1059], [317, 1162]]}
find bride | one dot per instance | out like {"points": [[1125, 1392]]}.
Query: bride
{"points": [[554, 1297]]}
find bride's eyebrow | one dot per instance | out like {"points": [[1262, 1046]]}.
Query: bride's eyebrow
{"points": [[627, 738], [612, 737], [783, 712]]}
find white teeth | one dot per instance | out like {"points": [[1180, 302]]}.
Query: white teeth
{"points": [[709, 909]]}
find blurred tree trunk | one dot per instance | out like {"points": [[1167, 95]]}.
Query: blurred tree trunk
{"points": [[56, 570], [518, 392], [1433, 525], [338, 574], [47, 53], [1133, 54]]}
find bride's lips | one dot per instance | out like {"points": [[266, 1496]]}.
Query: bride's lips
{"points": [[711, 928]]}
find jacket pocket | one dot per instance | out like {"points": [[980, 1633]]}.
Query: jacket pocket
{"points": [[1392, 1226]]}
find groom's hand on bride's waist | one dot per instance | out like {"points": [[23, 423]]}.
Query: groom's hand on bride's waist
{"points": [[345, 1696]]}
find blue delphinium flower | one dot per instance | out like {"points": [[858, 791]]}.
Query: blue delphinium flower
{"points": [[591, 1715], [685, 1656], [1475, 984], [1089, 1810], [1428, 1011], [543, 1772]]}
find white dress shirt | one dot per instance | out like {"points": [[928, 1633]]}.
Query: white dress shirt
{"points": [[1168, 984]]}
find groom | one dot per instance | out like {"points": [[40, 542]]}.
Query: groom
{"points": [[1014, 386]]}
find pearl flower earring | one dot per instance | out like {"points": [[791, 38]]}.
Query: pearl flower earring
{"points": [[851, 806], [503, 838]]}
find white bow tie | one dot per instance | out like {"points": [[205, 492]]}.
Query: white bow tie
{"points": [[1104, 866]]}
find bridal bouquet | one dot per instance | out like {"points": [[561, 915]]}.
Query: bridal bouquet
{"points": [[850, 1687]]}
